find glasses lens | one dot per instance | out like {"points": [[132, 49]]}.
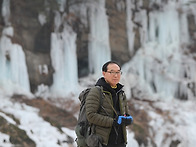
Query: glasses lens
{"points": [[114, 73]]}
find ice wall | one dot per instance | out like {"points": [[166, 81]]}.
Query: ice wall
{"points": [[160, 64], [13, 70], [98, 48]]}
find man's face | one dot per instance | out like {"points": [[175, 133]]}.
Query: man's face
{"points": [[113, 74]]}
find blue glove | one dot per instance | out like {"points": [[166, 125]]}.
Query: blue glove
{"points": [[127, 120]]}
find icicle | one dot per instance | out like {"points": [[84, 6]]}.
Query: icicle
{"points": [[6, 11], [130, 26]]}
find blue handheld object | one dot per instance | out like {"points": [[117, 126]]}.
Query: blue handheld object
{"points": [[124, 117]]}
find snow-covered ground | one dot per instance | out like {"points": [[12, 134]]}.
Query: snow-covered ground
{"points": [[170, 122], [40, 131], [175, 121]]}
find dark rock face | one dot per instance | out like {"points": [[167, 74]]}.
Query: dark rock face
{"points": [[118, 35], [24, 19], [35, 65]]}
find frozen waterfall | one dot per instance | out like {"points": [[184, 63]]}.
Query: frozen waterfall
{"points": [[160, 64], [99, 48], [13, 70], [13, 75], [64, 59]]}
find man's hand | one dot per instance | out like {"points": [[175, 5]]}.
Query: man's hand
{"points": [[126, 120]]}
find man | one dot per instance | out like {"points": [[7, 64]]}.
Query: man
{"points": [[114, 105]]}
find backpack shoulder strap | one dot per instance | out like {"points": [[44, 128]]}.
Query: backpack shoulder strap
{"points": [[101, 97], [100, 105]]}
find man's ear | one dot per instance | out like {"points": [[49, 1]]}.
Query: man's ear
{"points": [[103, 72]]}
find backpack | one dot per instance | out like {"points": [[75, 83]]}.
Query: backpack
{"points": [[83, 126]]}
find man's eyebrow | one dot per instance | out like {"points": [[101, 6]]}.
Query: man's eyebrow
{"points": [[114, 70]]}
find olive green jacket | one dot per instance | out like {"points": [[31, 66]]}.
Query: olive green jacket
{"points": [[104, 119]]}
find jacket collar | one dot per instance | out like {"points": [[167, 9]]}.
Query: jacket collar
{"points": [[107, 87]]}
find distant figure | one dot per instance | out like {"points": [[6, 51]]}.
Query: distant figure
{"points": [[111, 120]]}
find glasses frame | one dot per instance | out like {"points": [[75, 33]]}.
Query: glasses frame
{"points": [[114, 73]]}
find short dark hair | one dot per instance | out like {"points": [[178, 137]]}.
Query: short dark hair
{"points": [[105, 66]]}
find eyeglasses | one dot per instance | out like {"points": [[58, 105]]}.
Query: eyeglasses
{"points": [[114, 73]]}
